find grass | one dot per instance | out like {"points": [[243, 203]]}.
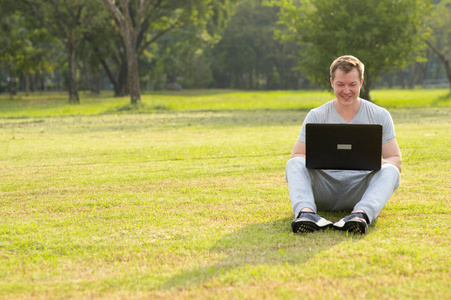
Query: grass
{"points": [[184, 197], [56, 104]]}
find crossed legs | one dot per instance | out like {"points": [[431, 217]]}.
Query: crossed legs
{"points": [[336, 190]]}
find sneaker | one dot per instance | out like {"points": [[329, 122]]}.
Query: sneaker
{"points": [[309, 222], [355, 222]]}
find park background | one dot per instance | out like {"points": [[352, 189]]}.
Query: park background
{"points": [[143, 147], [248, 44]]}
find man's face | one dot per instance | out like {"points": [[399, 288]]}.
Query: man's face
{"points": [[346, 86]]}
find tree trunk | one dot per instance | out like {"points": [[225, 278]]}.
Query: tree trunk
{"points": [[365, 91], [447, 65], [130, 28], [446, 62], [119, 84], [132, 66], [448, 73], [120, 90], [73, 92]]}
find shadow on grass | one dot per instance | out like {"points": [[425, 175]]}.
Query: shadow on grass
{"points": [[442, 99], [194, 92], [139, 108], [257, 246], [255, 118]]}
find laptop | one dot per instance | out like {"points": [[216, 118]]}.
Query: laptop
{"points": [[343, 146]]}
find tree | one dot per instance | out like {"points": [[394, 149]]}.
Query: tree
{"points": [[105, 47], [249, 57], [384, 34], [23, 49], [439, 26], [130, 29], [142, 22], [179, 59], [66, 20]]}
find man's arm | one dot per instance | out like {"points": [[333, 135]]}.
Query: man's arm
{"points": [[298, 150], [391, 154]]}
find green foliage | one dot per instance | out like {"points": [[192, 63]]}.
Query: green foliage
{"points": [[171, 37], [248, 56], [438, 25], [200, 44], [66, 21], [23, 48], [182, 57], [384, 34]]}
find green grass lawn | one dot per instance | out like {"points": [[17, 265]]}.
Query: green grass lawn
{"points": [[56, 104], [184, 197]]}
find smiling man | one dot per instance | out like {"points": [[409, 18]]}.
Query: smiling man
{"points": [[363, 193]]}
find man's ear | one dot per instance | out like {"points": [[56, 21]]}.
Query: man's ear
{"points": [[332, 82]]}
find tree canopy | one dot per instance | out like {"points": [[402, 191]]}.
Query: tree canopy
{"points": [[22, 49], [438, 24], [141, 23], [125, 45], [66, 20], [384, 34], [248, 55]]}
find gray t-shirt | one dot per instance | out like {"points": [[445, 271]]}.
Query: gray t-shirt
{"points": [[368, 113]]}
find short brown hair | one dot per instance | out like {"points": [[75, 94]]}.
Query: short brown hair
{"points": [[346, 63]]}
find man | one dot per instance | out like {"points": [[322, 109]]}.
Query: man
{"points": [[364, 193]]}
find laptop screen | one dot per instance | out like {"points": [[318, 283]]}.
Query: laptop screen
{"points": [[343, 146]]}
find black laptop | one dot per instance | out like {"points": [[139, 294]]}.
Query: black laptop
{"points": [[343, 146]]}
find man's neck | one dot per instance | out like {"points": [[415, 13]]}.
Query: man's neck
{"points": [[348, 112]]}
